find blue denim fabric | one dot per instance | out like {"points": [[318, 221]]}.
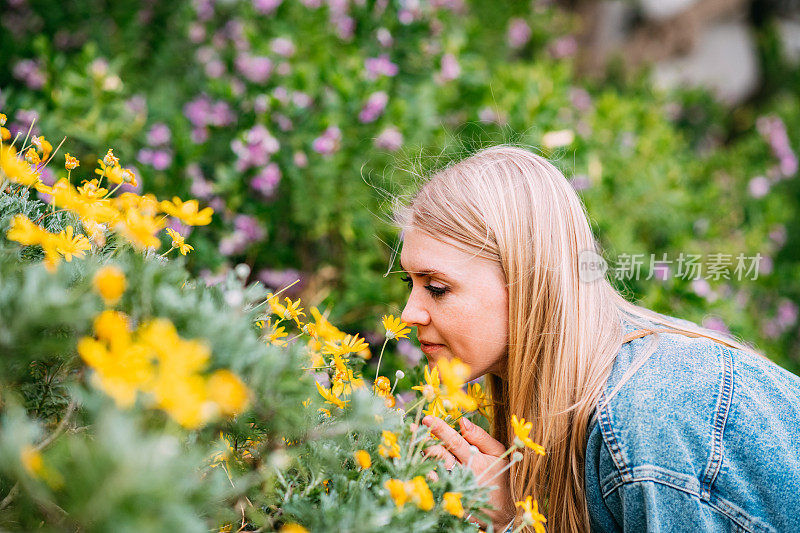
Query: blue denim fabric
{"points": [[701, 438]]}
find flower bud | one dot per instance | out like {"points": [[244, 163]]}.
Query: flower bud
{"points": [[516, 457], [399, 374]]}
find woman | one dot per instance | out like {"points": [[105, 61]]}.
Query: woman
{"points": [[650, 423]]}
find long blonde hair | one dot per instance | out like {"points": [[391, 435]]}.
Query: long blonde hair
{"points": [[509, 205]]}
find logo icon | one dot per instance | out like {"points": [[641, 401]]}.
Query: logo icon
{"points": [[591, 266]]}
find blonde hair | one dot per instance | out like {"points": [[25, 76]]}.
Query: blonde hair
{"points": [[509, 205]]}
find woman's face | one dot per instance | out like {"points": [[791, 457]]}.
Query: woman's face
{"points": [[458, 303]]}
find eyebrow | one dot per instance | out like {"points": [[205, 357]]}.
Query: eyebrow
{"points": [[424, 272]]}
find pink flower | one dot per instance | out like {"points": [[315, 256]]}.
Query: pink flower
{"points": [[450, 69], [255, 68], [564, 47], [758, 187], [376, 103], [159, 134], [716, 324], [266, 181], [256, 149], [774, 130], [519, 33], [300, 159], [580, 98], [31, 73], [390, 139], [384, 37], [266, 7], [283, 47], [329, 142], [379, 66]]}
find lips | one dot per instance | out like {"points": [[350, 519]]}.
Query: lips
{"points": [[429, 347]]}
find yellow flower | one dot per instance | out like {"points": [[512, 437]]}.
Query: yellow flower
{"points": [[397, 490], [223, 455], [293, 528], [325, 329], [141, 229], [363, 459], [23, 231], [3, 119], [432, 388], [350, 344], [293, 310], [115, 173], [389, 447], [330, 397], [69, 245], [522, 437], [187, 211], [228, 392], [343, 379], [109, 159], [482, 400], [110, 283], [178, 242], [420, 493], [31, 460], [70, 163], [532, 516], [395, 328], [43, 145], [383, 388], [16, 169], [453, 373], [121, 368], [4, 134], [32, 157], [451, 503], [275, 334]]}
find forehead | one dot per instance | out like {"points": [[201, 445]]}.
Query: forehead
{"points": [[422, 253]]}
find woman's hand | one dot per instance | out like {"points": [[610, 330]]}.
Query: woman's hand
{"points": [[455, 448]]}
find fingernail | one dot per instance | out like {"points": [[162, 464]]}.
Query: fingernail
{"points": [[466, 425], [427, 420]]}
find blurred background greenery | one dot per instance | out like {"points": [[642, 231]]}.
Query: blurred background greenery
{"points": [[299, 121]]}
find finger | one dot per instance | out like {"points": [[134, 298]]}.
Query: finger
{"points": [[443, 455], [476, 436], [451, 440]]}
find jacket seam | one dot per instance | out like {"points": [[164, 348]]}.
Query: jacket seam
{"points": [[610, 439], [721, 505], [720, 419]]}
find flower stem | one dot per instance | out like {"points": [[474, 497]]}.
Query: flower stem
{"points": [[378, 370]]}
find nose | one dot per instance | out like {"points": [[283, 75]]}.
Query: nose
{"points": [[414, 313]]}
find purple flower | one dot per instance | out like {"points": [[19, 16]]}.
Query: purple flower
{"points": [[702, 288], [284, 122], [580, 182], [199, 135], [136, 104], [266, 181], [564, 47], [278, 279], [716, 324], [283, 47], [30, 72], [450, 69], [345, 26], [787, 314], [176, 225], [159, 134], [376, 103], [201, 188], [250, 227], [197, 32], [661, 271], [301, 99], [281, 94], [312, 4], [491, 116], [329, 142], [300, 159], [379, 66], [410, 353], [384, 37], [255, 68], [266, 7], [255, 151], [519, 33], [215, 68], [284, 68], [580, 99], [145, 156], [203, 112], [778, 234], [758, 187], [773, 129], [204, 9], [162, 159], [390, 139]]}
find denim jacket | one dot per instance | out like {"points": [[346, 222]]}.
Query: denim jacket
{"points": [[702, 437]]}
